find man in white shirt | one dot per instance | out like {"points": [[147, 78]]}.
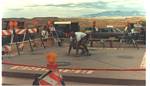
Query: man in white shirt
{"points": [[81, 39], [79, 35], [78, 40]]}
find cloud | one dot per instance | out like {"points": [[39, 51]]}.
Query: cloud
{"points": [[33, 6], [98, 4], [15, 9], [125, 5], [69, 8]]}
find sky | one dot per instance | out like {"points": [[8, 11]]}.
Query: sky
{"points": [[67, 8]]}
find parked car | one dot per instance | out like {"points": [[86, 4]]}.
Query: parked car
{"points": [[107, 33]]}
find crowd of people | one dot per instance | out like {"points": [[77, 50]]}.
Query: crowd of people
{"points": [[78, 40]]}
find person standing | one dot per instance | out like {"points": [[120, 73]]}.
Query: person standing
{"points": [[44, 33], [54, 33], [128, 27], [137, 29]]}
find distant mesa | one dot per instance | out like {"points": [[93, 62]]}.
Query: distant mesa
{"points": [[116, 13]]}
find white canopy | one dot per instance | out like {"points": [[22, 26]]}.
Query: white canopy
{"points": [[64, 22], [110, 26]]}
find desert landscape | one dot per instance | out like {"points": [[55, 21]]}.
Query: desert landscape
{"points": [[118, 22]]}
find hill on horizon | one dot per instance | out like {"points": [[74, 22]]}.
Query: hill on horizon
{"points": [[116, 13]]}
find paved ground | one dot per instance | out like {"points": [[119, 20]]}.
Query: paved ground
{"points": [[100, 58], [27, 82], [23, 81]]}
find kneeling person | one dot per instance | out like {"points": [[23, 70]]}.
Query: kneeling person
{"points": [[81, 39]]}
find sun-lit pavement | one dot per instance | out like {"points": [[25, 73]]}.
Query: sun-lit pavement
{"points": [[143, 63], [119, 58]]}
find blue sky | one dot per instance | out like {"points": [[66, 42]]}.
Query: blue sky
{"points": [[67, 8]]}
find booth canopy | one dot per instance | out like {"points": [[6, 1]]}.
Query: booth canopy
{"points": [[64, 22]]}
